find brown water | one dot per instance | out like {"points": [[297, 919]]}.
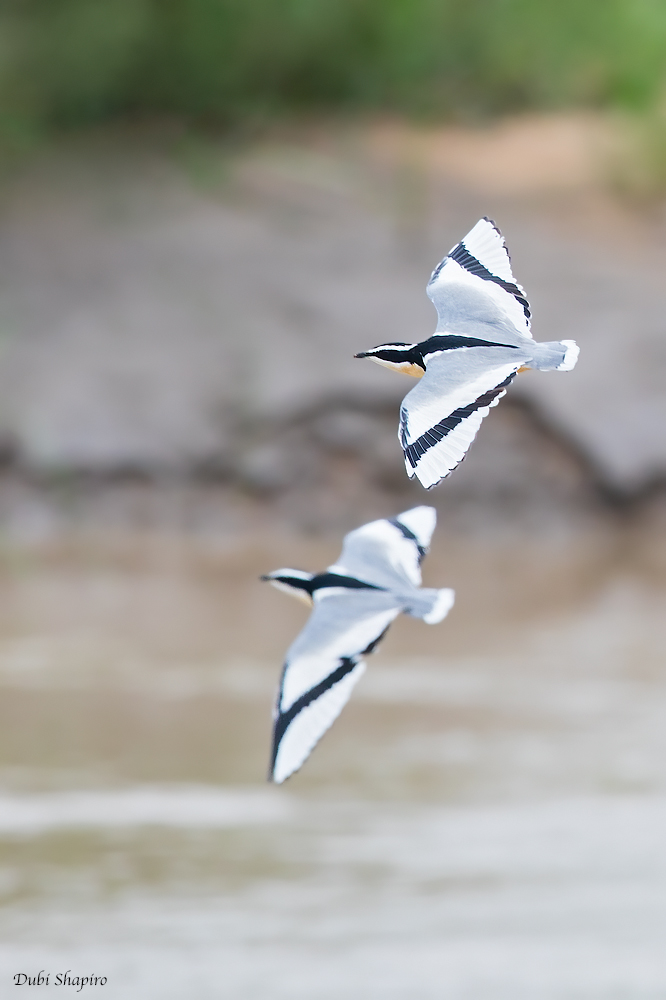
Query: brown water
{"points": [[487, 819]]}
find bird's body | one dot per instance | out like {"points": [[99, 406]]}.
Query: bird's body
{"points": [[354, 602], [482, 340]]}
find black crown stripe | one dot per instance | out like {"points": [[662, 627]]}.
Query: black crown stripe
{"points": [[337, 580], [451, 341], [328, 580]]}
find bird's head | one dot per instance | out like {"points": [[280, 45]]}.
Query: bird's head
{"points": [[399, 357], [292, 581]]}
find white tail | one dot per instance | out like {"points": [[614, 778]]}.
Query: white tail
{"points": [[432, 605], [572, 350]]}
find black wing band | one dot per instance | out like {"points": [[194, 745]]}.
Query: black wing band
{"points": [[429, 439], [462, 256], [284, 719], [347, 664], [408, 534]]}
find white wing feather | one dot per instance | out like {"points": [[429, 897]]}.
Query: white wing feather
{"points": [[442, 390], [486, 243], [380, 553], [308, 727], [475, 284], [432, 449], [324, 662], [341, 627]]}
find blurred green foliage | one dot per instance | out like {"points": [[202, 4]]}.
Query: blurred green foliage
{"points": [[72, 62]]}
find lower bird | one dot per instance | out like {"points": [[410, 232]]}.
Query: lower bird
{"points": [[482, 340], [377, 576]]}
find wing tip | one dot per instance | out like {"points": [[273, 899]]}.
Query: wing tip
{"points": [[292, 743], [425, 480], [491, 222], [431, 486], [422, 521], [278, 773], [276, 779]]}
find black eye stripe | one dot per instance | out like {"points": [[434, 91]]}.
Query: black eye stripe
{"points": [[413, 357]]}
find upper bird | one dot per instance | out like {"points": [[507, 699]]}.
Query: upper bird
{"points": [[482, 340], [377, 576]]}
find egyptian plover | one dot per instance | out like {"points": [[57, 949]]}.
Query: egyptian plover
{"points": [[482, 340], [377, 576]]}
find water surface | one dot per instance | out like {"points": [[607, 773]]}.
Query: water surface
{"points": [[486, 820]]}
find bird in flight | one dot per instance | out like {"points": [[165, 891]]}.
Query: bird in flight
{"points": [[482, 340], [353, 603]]}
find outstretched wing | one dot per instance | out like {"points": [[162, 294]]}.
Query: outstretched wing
{"points": [[321, 668], [388, 552], [440, 417], [474, 291]]}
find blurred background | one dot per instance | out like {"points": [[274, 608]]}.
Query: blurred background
{"points": [[206, 208]]}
